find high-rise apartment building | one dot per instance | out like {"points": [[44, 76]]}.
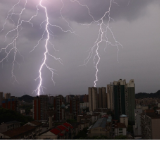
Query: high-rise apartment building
{"points": [[130, 100], [74, 106], [110, 102], [7, 95], [85, 98], [10, 103], [93, 103], [121, 98], [102, 98], [41, 106], [59, 112]]}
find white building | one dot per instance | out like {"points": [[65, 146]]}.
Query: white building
{"points": [[120, 129]]}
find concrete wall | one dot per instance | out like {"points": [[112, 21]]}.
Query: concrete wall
{"points": [[155, 128], [93, 103], [117, 130], [137, 126]]}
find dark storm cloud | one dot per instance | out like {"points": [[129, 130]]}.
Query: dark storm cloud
{"points": [[122, 9], [140, 40]]}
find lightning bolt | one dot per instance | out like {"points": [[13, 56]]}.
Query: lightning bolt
{"points": [[104, 29], [47, 31]]}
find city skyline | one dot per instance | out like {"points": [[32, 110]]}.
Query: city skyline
{"points": [[135, 26]]}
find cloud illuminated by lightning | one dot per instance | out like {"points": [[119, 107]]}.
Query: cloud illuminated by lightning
{"points": [[104, 28]]}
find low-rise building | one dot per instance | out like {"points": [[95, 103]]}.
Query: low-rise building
{"points": [[9, 125], [37, 125], [120, 129], [24, 132], [47, 135], [124, 119], [150, 123]]}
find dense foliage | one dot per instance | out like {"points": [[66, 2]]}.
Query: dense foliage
{"points": [[71, 121], [82, 134], [26, 98], [27, 108], [9, 115], [147, 95]]}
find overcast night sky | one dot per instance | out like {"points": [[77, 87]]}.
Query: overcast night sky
{"points": [[136, 26]]}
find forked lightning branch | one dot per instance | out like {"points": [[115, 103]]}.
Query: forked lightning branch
{"points": [[11, 47]]}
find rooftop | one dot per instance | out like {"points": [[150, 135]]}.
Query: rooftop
{"points": [[19, 131], [153, 115], [100, 123], [120, 125], [11, 122], [36, 123]]}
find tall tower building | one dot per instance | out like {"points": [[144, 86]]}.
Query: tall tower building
{"points": [[58, 111], [93, 103], [7, 95], [110, 102], [121, 98], [41, 106], [74, 106], [130, 101], [102, 98]]}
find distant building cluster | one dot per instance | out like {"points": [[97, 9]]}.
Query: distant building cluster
{"points": [[43, 105], [8, 102], [120, 98], [110, 112]]}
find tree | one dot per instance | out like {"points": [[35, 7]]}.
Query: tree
{"points": [[121, 137], [9, 115]]}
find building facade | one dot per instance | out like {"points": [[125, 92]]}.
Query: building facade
{"points": [[10, 103], [74, 106], [110, 102], [130, 101], [59, 111], [93, 102], [121, 98], [7, 96], [150, 125], [102, 98], [137, 126], [41, 106]]}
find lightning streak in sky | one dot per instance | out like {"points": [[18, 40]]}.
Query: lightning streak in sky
{"points": [[12, 46], [104, 29]]}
